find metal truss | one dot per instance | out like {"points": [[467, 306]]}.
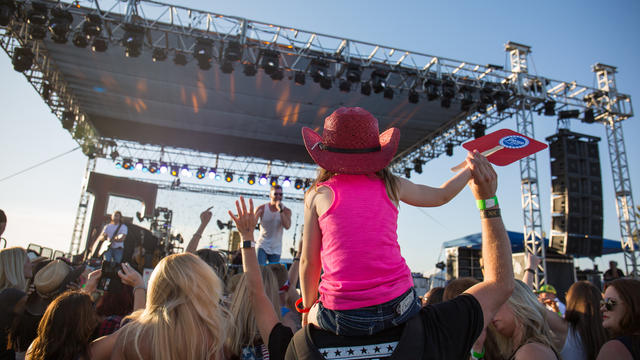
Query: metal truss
{"points": [[83, 206], [605, 75]]}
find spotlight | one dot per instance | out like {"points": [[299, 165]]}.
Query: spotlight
{"points": [[184, 171], [502, 99], [228, 177], [233, 51], [153, 168], [67, 120], [226, 67], [118, 165], [365, 89], [127, 164], [568, 114], [448, 88], [486, 97], [203, 52], [218, 177], [92, 25], [250, 69], [407, 173], [277, 75], [478, 130], [99, 45], [274, 181], [37, 20], [22, 59], [7, 8], [378, 81], [201, 173], [180, 59], [307, 183], [59, 25], [326, 83], [163, 168], [354, 73], [417, 165], [133, 40], [114, 154], [80, 40], [175, 171], [139, 165], [449, 149], [432, 88], [251, 179], [467, 98], [319, 70], [212, 173], [345, 85], [37, 32], [286, 182], [388, 93], [241, 180], [549, 108], [414, 97], [298, 184], [270, 61], [263, 179], [589, 117], [159, 54], [299, 78]]}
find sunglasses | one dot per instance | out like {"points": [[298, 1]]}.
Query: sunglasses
{"points": [[277, 194], [608, 304]]}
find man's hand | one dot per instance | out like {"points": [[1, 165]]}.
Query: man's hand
{"points": [[484, 180], [129, 276], [245, 220], [206, 215], [279, 205]]}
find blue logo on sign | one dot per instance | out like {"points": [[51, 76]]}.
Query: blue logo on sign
{"points": [[514, 142]]}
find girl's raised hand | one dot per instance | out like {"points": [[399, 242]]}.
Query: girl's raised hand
{"points": [[245, 220]]}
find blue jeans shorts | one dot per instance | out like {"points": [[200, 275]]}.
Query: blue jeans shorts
{"points": [[371, 319], [263, 257]]}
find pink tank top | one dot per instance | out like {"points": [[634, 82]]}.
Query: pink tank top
{"points": [[360, 253]]}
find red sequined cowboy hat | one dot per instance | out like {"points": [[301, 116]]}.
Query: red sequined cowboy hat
{"points": [[351, 143]]}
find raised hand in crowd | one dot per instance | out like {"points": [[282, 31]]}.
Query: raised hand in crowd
{"points": [[205, 218]]}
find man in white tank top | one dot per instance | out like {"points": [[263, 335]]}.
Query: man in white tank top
{"points": [[274, 216]]}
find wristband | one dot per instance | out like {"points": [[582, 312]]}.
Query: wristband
{"points": [[489, 213], [477, 356], [484, 204], [248, 244], [530, 270], [301, 309], [139, 287]]}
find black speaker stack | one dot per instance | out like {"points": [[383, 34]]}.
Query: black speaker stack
{"points": [[576, 194]]}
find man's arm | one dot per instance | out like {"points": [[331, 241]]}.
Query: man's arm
{"points": [[205, 217], [498, 282]]}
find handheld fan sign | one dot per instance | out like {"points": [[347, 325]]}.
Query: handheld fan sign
{"points": [[503, 147]]}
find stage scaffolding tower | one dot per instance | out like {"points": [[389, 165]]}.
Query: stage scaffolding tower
{"points": [[83, 205], [533, 240], [605, 76]]}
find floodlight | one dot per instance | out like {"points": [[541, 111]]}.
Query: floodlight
{"points": [[414, 97], [201, 173], [467, 98], [99, 45], [319, 70], [163, 168], [274, 181], [277, 74], [175, 171], [139, 164], [448, 88], [298, 184], [159, 54], [203, 53], [345, 85], [326, 83], [228, 177], [92, 25], [7, 9], [354, 73], [549, 108], [153, 167], [80, 40], [226, 67], [299, 78], [180, 59], [378, 81], [251, 179], [432, 88], [270, 61], [22, 59], [212, 173], [449, 149], [263, 179], [233, 51], [127, 164], [133, 40], [250, 69], [241, 180], [37, 20], [68, 118], [589, 116], [388, 93], [286, 182], [365, 88], [59, 25], [184, 171]]}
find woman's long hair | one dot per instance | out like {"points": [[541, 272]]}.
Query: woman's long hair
{"points": [[390, 182], [584, 316], [245, 332], [12, 262], [183, 317], [530, 319], [629, 292], [65, 328]]}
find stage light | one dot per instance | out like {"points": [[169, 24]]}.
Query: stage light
{"points": [[407, 173], [326, 83], [549, 108], [139, 165], [68, 118], [7, 9], [80, 40], [180, 59], [226, 67], [286, 182], [568, 114], [250, 69], [299, 78], [589, 116], [307, 183], [59, 25], [127, 164], [251, 179], [365, 89], [218, 177], [445, 103], [22, 59], [274, 181], [163, 168], [298, 184], [212, 174], [92, 25], [388, 93], [263, 179], [133, 40], [118, 165], [277, 75], [448, 88], [203, 52], [354, 73], [184, 171], [175, 171], [378, 81], [414, 97], [449, 149], [228, 177], [478, 130], [270, 61], [241, 180], [233, 51], [432, 88], [417, 165], [345, 86], [37, 20], [114, 154], [153, 167], [159, 54], [318, 70], [466, 100], [201, 173], [46, 91], [99, 45], [501, 98]]}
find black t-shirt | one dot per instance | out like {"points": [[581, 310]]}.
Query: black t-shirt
{"points": [[279, 339], [442, 331]]}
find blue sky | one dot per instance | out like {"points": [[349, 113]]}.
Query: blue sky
{"points": [[566, 38]]}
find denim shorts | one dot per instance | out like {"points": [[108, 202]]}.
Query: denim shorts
{"points": [[371, 319]]}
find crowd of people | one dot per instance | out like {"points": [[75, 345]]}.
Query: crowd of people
{"points": [[355, 298]]}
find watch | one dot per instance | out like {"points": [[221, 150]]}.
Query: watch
{"points": [[248, 244], [484, 204]]}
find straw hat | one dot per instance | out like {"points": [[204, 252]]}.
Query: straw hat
{"points": [[351, 143], [54, 277]]}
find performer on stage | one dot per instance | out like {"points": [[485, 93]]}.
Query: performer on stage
{"points": [[115, 232], [274, 216]]}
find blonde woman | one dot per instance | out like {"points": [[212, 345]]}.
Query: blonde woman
{"points": [[182, 318], [520, 328], [15, 268]]}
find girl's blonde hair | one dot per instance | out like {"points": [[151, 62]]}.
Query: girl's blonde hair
{"points": [[390, 182], [529, 316], [12, 262], [245, 332], [183, 317]]}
